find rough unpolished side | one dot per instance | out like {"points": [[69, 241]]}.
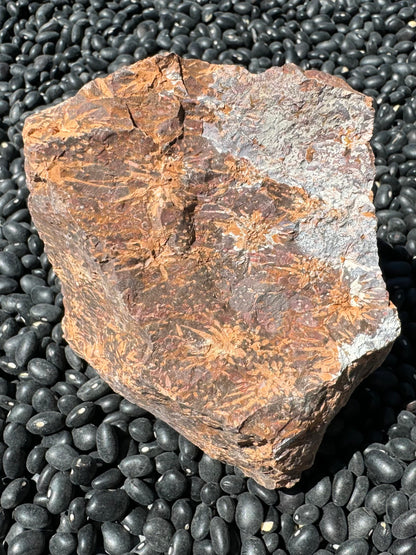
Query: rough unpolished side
{"points": [[215, 238]]}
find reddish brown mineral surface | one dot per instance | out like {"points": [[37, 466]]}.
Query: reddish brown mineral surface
{"points": [[215, 238]]}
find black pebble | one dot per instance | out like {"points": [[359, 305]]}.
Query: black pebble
{"points": [[306, 514], [381, 536], [28, 542], [361, 522], [404, 526], [249, 513], [134, 521], [396, 504], [45, 423], [181, 514], [107, 443], [359, 493], [171, 485], [220, 536], [333, 525], [136, 466], [158, 533], [252, 545], [59, 493], [320, 494], [181, 543], [139, 491], [31, 516], [201, 522], [342, 487], [116, 539], [354, 546], [87, 539], [304, 541], [62, 543], [14, 493], [108, 505]]}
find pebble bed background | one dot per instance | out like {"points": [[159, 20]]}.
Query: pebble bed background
{"points": [[84, 471]]}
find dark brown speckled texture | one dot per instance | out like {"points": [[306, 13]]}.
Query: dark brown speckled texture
{"points": [[215, 238]]}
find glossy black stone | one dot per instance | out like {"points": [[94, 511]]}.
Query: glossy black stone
{"points": [[107, 505]]}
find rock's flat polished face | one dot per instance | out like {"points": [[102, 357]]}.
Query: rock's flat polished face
{"points": [[215, 238]]}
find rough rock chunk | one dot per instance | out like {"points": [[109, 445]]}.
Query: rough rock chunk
{"points": [[215, 238]]}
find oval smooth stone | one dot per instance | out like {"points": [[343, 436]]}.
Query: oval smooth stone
{"points": [[201, 522], [403, 448], [320, 494], [181, 543], [134, 521], [136, 466], [408, 481], [76, 513], [59, 493], [45, 423], [181, 514], [268, 496], [253, 546], [210, 470], [107, 505], [109, 479], [141, 429], [14, 493], [396, 504], [359, 492], [107, 443], [342, 487], [225, 506], [304, 541], [382, 468], [171, 485], [93, 389], [376, 498], [231, 484], [30, 542], [80, 415], [26, 348], [158, 533], [13, 462], [249, 513], [10, 265], [62, 543], [220, 536], [31, 516], [354, 546], [87, 539], [404, 526], [381, 536], [361, 522], [333, 524], [306, 514], [60, 456], [116, 539], [403, 547]]}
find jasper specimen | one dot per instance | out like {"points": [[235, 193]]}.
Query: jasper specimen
{"points": [[215, 238]]}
